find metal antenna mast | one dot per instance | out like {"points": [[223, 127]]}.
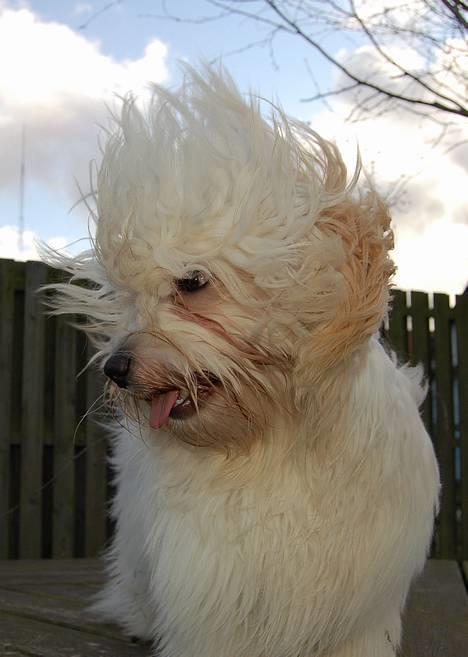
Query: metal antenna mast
{"points": [[21, 192]]}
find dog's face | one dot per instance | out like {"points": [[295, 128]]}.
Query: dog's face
{"points": [[202, 356], [232, 268]]}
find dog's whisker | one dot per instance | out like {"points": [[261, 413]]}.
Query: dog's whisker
{"points": [[92, 409]]}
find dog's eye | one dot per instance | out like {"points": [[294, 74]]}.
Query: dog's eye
{"points": [[193, 281]]}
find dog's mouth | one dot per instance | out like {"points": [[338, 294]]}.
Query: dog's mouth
{"points": [[180, 404]]}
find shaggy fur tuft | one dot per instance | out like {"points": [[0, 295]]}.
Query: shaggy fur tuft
{"points": [[276, 488]]}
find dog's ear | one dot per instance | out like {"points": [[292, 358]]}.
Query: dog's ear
{"points": [[363, 272]]}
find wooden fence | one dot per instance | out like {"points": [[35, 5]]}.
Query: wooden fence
{"points": [[54, 481], [53, 474]]}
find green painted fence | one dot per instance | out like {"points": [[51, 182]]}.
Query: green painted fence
{"points": [[54, 481]]}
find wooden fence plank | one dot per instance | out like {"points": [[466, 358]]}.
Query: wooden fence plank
{"points": [[32, 420], [50, 380], [420, 347], [461, 321], [18, 349], [443, 424], [397, 332], [64, 425], [96, 464], [80, 447], [7, 305]]}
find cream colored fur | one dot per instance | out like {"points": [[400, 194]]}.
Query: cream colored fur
{"points": [[288, 517]]}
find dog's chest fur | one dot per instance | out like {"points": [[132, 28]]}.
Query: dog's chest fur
{"points": [[281, 542]]}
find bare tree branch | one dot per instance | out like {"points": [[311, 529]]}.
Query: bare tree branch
{"points": [[98, 13], [457, 7], [365, 83], [394, 63], [166, 15], [320, 95], [436, 33], [249, 46]]}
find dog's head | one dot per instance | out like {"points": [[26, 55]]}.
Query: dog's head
{"points": [[234, 267]]}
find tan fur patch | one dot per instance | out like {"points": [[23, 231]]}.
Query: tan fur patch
{"points": [[364, 230]]}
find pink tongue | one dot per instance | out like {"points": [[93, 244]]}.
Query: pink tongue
{"points": [[161, 406]]}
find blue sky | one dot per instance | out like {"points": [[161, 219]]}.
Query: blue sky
{"points": [[124, 30], [122, 33], [55, 79]]}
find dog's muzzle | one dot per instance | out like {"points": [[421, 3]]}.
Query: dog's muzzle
{"points": [[117, 368]]}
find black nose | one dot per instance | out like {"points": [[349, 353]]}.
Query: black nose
{"points": [[117, 368]]}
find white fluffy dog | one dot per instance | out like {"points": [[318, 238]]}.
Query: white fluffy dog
{"points": [[276, 488]]}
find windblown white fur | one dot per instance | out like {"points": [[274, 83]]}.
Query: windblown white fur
{"points": [[287, 517]]}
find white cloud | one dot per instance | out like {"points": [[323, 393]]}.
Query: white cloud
{"points": [[26, 249], [434, 258], [423, 179], [56, 82]]}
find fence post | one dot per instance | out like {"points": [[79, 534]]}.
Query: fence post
{"points": [[443, 424], [461, 321], [32, 419], [8, 278]]}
